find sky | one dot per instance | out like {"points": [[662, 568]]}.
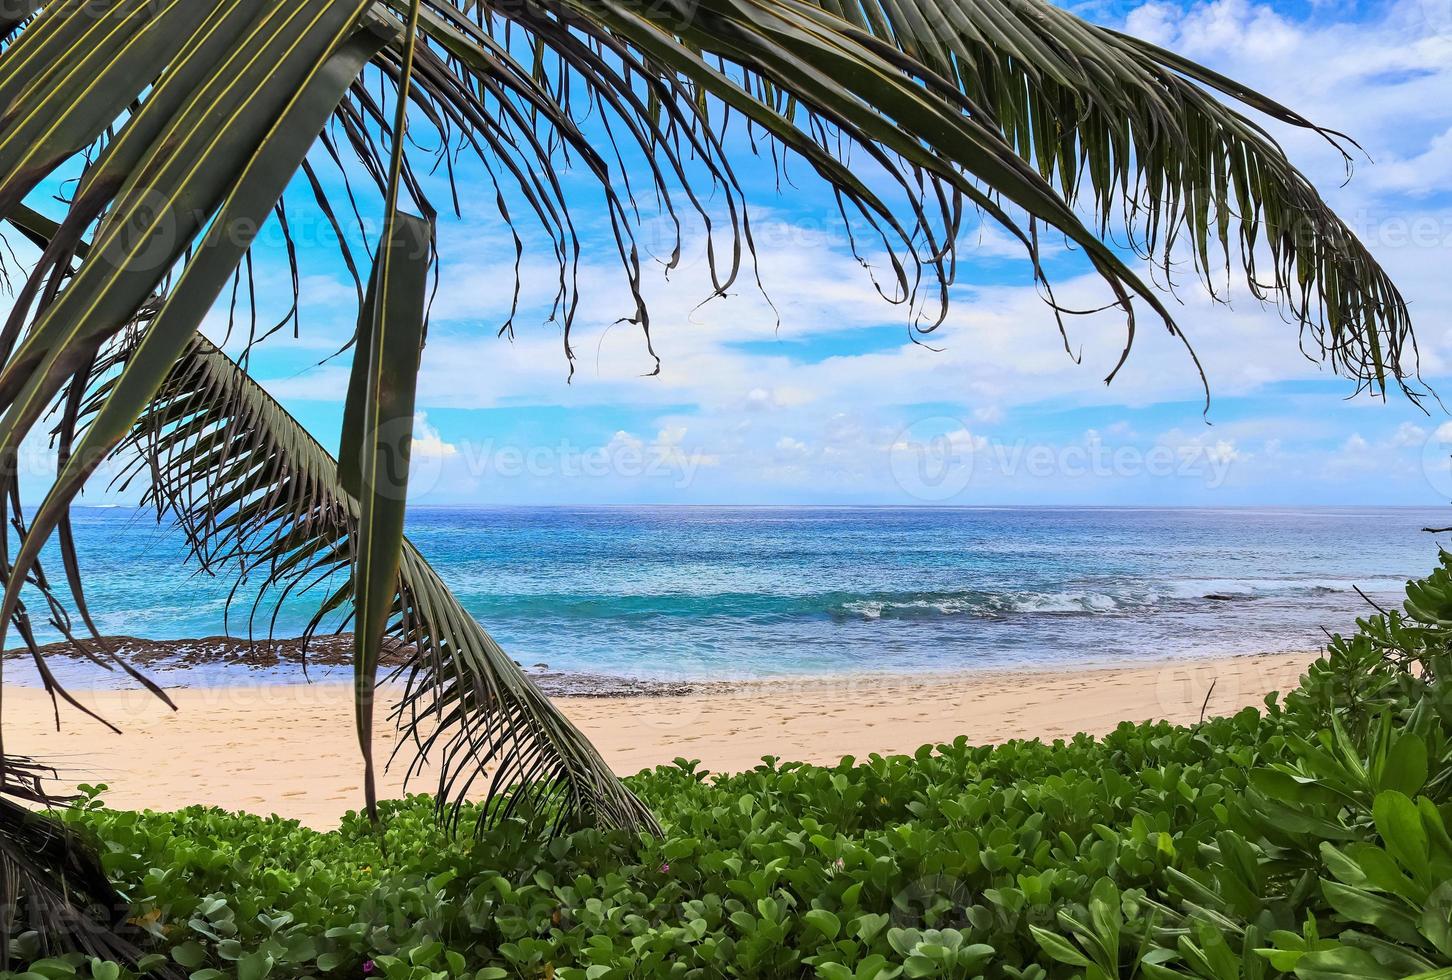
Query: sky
{"points": [[819, 395]]}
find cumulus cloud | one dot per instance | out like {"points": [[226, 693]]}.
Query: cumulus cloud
{"points": [[427, 442]]}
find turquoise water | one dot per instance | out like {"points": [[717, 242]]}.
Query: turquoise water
{"points": [[760, 592]]}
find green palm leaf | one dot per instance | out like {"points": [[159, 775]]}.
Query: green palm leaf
{"points": [[278, 509], [378, 419], [52, 877], [374, 452], [277, 504]]}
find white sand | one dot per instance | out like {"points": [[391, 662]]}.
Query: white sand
{"points": [[291, 748]]}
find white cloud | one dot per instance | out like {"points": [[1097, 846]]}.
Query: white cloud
{"points": [[427, 442], [741, 386], [1409, 434], [623, 441]]}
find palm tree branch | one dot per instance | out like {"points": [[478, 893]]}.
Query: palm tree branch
{"points": [[212, 433]]}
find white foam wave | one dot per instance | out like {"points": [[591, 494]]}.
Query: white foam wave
{"points": [[992, 606], [1199, 588]]}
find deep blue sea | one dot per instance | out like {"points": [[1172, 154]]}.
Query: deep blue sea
{"points": [[741, 592]]}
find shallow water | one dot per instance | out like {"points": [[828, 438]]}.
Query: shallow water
{"points": [[726, 593]]}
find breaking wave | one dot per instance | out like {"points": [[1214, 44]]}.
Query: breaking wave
{"points": [[997, 605]]}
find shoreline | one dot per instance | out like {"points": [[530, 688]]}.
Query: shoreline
{"points": [[290, 748], [225, 661]]}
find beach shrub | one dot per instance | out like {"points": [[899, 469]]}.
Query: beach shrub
{"points": [[1306, 838]]}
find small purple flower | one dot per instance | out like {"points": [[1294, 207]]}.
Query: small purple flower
{"points": [[665, 868], [368, 967]]}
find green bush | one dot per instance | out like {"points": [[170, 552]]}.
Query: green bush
{"points": [[1308, 838]]}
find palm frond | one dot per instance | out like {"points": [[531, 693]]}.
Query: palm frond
{"points": [[379, 409], [51, 881], [260, 499], [373, 454], [1033, 115], [1137, 137]]}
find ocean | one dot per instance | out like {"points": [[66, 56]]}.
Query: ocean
{"points": [[759, 592]]}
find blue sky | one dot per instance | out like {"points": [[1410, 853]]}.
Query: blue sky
{"points": [[836, 405]]}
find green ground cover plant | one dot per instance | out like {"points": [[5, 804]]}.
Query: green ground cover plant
{"points": [[1307, 838]]}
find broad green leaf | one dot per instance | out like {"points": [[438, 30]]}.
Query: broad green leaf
{"points": [[824, 922], [1342, 963], [1390, 917], [1399, 823], [189, 954], [384, 431], [1058, 947], [1405, 769]]}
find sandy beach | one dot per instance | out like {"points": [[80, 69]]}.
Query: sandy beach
{"points": [[290, 749]]}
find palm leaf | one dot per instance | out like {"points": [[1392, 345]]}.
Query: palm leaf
{"points": [[374, 453], [1013, 106], [1121, 127], [51, 880], [255, 493], [378, 419], [277, 510], [175, 322]]}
